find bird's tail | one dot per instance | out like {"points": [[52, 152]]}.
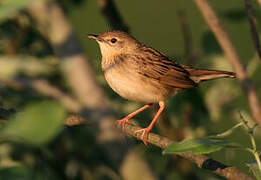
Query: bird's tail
{"points": [[199, 75]]}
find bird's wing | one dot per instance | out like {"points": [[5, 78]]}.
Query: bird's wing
{"points": [[157, 66]]}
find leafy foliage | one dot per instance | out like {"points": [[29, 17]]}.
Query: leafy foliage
{"points": [[255, 169], [198, 146], [37, 124]]}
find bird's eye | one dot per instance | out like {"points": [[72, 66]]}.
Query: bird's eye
{"points": [[113, 40]]}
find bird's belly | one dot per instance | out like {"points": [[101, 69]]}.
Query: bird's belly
{"points": [[135, 87]]}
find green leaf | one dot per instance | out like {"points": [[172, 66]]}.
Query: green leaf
{"points": [[37, 124], [254, 169], [9, 7], [198, 146]]}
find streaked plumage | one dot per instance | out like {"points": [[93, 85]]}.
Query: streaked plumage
{"points": [[143, 74]]}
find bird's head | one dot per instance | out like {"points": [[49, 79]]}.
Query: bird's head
{"points": [[113, 43]]}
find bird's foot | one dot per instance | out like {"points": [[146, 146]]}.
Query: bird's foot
{"points": [[122, 123], [144, 134]]}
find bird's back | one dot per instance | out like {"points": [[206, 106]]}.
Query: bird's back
{"points": [[168, 72]]}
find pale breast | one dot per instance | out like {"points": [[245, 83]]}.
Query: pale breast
{"points": [[135, 87]]}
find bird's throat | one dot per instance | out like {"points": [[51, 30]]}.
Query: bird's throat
{"points": [[112, 61]]}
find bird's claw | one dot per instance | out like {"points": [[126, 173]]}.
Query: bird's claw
{"points": [[122, 123], [144, 135]]}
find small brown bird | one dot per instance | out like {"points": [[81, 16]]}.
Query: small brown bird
{"points": [[143, 74]]}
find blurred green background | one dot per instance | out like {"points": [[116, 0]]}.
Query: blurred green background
{"points": [[34, 148]]}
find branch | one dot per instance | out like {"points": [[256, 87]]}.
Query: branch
{"points": [[232, 56], [259, 2], [54, 26], [44, 88], [111, 13], [202, 161], [252, 22]]}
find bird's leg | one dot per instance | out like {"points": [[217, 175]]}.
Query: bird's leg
{"points": [[144, 132], [121, 123]]}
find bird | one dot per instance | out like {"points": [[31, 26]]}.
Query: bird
{"points": [[142, 74]]}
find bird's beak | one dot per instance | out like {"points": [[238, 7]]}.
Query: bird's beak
{"points": [[93, 36]]}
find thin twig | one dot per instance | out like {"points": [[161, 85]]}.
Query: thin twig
{"points": [[252, 22], [228, 132], [202, 161], [112, 14], [256, 154], [250, 131], [46, 89], [259, 2], [232, 56]]}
